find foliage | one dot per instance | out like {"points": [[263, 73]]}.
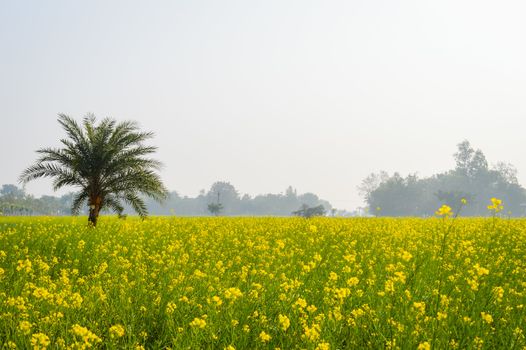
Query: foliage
{"points": [[261, 205], [225, 197], [309, 212], [106, 161], [235, 205], [14, 201], [215, 208], [254, 283], [471, 179]]}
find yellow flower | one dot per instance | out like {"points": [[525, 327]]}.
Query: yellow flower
{"points": [[86, 335], [333, 276], [198, 323], [424, 346], [39, 341], [353, 281], [233, 293], [498, 292], [444, 211], [323, 346], [481, 271], [117, 331], [284, 322], [496, 205], [441, 316], [25, 327], [301, 303], [406, 256], [312, 333], [264, 337], [486, 317], [170, 308], [24, 265], [311, 308], [420, 307], [217, 300]]}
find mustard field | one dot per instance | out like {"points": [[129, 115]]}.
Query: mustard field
{"points": [[262, 283]]}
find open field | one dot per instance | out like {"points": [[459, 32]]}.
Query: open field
{"points": [[249, 283]]}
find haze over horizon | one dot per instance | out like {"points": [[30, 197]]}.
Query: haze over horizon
{"points": [[264, 95]]}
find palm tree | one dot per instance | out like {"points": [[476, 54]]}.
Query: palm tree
{"points": [[107, 161]]}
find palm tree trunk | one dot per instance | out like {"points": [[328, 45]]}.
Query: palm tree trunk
{"points": [[93, 216], [94, 211]]}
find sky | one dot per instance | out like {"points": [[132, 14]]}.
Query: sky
{"points": [[267, 94]]}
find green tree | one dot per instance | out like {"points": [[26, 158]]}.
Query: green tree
{"points": [[471, 179], [215, 208], [107, 161], [226, 194], [308, 212]]}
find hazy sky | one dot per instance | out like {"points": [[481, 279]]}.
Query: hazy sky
{"points": [[266, 94]]}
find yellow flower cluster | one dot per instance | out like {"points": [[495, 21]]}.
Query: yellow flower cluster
{"points": [[198, 323], [39, 341], [85, 338], [117, 331], [444, 211], [496, 205], [249, 283]]}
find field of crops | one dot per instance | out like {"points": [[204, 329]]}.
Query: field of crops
{"points": [[262, 283]]}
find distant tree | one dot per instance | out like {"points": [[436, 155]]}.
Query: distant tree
{"points": [[107, 161], [291, 192], [215, 208], [14, 201], [507, 172], [396, 196], [463, 157], [12, 192], [308, 212], [371, 183], [309, 199], [229, 197], [470, 162]]}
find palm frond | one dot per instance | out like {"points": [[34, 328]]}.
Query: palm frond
{"points": [[136, 203], [113, 203], [79, 199]]}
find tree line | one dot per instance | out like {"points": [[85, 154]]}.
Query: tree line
{"points": [[472, 179], [232, 203], [15, 201]]}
